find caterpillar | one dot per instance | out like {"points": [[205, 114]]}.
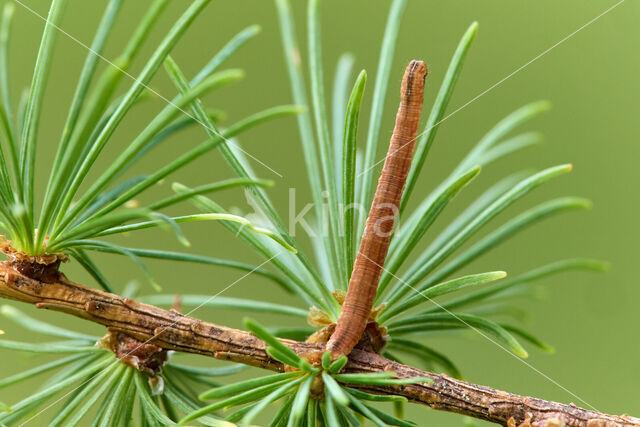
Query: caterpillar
{"points": [[375, 241]]}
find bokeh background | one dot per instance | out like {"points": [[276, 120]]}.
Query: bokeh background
{"points": [[591, 78]]}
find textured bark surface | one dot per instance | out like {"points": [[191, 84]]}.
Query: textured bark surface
{"points": [[42, 267], [145, 357], [173, 331], [382, 215]]}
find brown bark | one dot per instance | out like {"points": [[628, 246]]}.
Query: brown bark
{"points": [[367, 268], [171, 330]]}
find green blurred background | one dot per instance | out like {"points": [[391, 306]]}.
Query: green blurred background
{"points": [[591, 79]]}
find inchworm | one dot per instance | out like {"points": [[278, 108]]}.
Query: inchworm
{"points": [[382, 215]]}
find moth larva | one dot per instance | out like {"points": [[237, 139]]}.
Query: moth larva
{"points": [[382, 215]]}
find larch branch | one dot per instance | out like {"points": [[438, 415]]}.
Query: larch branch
{"points": [[171, 330]]}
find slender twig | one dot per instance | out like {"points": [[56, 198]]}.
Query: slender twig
{"points": [[174, 331], [382, 215]]}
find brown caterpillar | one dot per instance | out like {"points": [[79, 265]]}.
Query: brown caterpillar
{"points": [[382, 215]]}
